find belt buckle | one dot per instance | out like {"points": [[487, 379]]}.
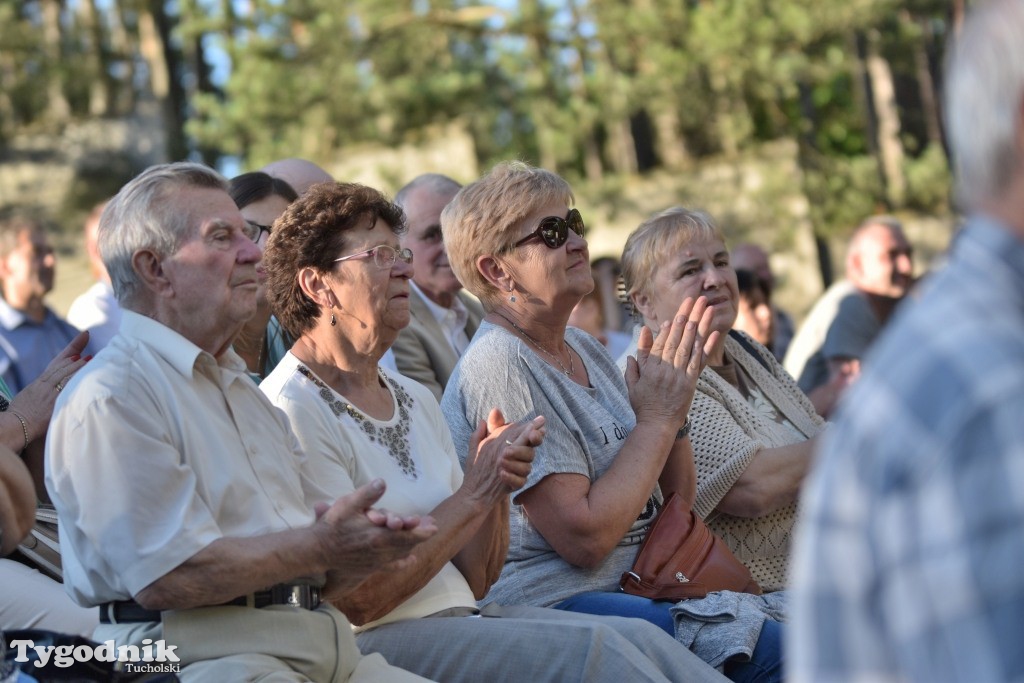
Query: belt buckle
{"points": [[296, 595]]}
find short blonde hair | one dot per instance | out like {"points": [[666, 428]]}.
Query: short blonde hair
{"points": [[649, 246], [484, 216]]}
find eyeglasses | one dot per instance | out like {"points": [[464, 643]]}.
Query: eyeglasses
{"points": [[384, 256], [554, 231], [254, 231]]}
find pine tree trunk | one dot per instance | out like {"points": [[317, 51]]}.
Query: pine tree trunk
{"points": [[547, 157], [163, 56], [731, 116], [99, 88], [926, 87], [545, 96], [807, 159], [670, 144], [124, 48], [6, 106], [622, 147], [862, 92], [890, 149], [58, 109], [593, 167], [151, 47]]}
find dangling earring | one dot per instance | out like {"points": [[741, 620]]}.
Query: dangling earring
{"points": [[334, 320], [512, 298]]}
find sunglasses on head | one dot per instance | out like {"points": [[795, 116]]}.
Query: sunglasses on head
{"points": [[554, 230]]}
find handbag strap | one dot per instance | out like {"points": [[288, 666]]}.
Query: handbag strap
{"points": [[749, 348]]}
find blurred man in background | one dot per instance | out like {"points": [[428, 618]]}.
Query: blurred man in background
{"points": [[31, 334], [826, 353], [907, 559], [96, 310]]}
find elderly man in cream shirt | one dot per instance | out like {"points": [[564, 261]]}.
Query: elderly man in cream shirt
{"points": [[183, 497]]}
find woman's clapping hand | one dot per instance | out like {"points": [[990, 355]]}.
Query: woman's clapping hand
{"points": [[663, 377], [501, 456]]}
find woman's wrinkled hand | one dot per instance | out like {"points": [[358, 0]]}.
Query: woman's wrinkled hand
{"points": [[501, 456], [663, 377], [35, 401]]}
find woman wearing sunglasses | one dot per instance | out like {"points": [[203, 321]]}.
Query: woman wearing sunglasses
{"points": [[337, 279], [614, 446]]}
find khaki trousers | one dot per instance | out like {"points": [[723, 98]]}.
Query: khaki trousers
{"points": [[276, 643]]}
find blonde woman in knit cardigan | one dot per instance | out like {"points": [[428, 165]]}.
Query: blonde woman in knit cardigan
{"points": [[753, 429]]}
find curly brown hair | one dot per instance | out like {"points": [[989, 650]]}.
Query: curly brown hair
{"points": [[311, 233]]}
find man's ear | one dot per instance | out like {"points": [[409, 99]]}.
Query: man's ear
{"points": [[854, 265], [314, 285], [150, 269]]}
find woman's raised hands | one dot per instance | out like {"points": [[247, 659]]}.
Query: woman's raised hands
{"points": [[663, 377]]}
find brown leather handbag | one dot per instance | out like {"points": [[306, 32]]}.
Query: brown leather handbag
{"points": [[681, 559]]}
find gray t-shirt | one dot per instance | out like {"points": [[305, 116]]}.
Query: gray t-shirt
{"points": [[853, 329], [585, 431]]}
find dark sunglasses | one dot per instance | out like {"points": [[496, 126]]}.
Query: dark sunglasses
{"points": [[554, 231]]}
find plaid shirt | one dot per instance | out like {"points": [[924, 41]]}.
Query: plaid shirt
{"points": [[909, 560]]}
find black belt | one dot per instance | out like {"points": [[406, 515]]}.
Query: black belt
{"points": [[295, 594]]}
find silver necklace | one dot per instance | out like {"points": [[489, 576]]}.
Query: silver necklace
{"points": [[569, 372]]}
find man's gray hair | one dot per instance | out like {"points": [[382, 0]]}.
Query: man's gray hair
{"points": [[435, 182], [142, 216], [984, 93]]}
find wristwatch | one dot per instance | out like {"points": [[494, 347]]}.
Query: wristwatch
{"points": [[684, 430]]}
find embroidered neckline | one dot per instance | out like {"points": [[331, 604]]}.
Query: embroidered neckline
{"points": [[394, 437]]}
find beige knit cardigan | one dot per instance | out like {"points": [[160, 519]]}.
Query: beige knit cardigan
{"points": [[726, 433]]}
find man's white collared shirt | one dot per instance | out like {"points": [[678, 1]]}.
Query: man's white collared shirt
{"points": [[452, 320], [158, 449]]}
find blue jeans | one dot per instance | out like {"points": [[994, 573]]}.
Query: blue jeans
{"points": [[765, 665]]}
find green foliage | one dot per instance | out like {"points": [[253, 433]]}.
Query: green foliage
{"points": [[842, 191], [929, 180], [563, 83], [21, 68]]}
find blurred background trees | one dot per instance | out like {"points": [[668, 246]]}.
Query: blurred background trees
{"points": [[600, 91]]}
